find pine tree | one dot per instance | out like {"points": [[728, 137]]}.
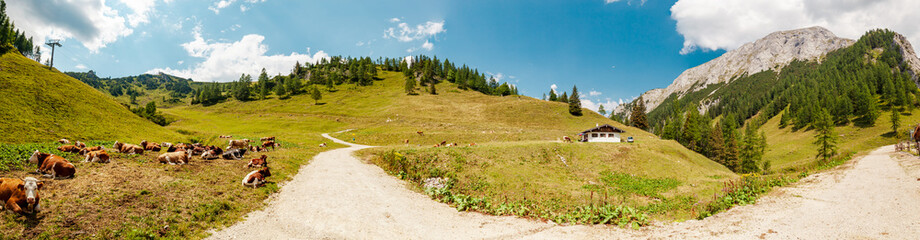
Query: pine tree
{"points": [[241, 89], [410, 86], [315, 94], [552, 95], [575, 102], [263, 84], [824, 136], [637, 118], [716, 145], [564, 98], [751, 150], [730, 135], [432, 90], [600, 109]]}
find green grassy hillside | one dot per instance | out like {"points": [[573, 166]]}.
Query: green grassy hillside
{"points": [[41, 105], [516, 140]]}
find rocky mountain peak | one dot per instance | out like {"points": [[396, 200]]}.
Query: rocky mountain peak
{"points": [[774, 51]]}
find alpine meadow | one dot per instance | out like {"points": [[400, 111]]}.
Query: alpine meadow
{"points": [[462, 120]]}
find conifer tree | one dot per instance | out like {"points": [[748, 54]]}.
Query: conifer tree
{"points": [[564, 98], [637, 117], [263, 84], [824, 136], [575, 102], [552, 95], [716, 145], [315, 94], [410, 86], [600, 109], [730, 135]]}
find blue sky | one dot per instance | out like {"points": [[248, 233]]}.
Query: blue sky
{"points": [[611, 50]]}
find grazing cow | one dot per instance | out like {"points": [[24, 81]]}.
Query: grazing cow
{"points": [[257, 149], [272, 138], [256, 178], [244, 144], [90, 149], [69, 148], [155, 147], [80, 144], [443, 143], [20, 196], [259, 162], [127, 148], [173, 158], [566, 139], [64, 141], [406, 141], [472, 144], [225, 136], [269, 144], [235, 154], [420, 133], [52, 166], [322, 145], [99, 156]]}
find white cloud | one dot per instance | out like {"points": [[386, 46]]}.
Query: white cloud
{"points": [[217, 6], [243, 8], [727, 24], [554, 87], [225, 61], [393, 20], [427, 45], [422, 31], [91, 22], [80, 66], [180, 62], [595, 105], [594, 93], [141, 9]]}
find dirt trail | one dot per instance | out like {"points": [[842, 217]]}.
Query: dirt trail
{"points": [[338, 196]]}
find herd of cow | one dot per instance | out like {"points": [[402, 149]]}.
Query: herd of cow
{"points": [[21, 195]]}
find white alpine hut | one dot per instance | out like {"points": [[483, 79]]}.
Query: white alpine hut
{"points": [[602, 133]]}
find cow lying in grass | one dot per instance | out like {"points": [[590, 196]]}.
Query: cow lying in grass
{"points": [[127, 148], [69, 148], [272, 138], [80, 144], [20, 196], [99, 156], [244, 144], [90, 149], [256, 178], [173, 158], [235, 154], [259, 162], [154, 147], [52, 166], [64, 141]]}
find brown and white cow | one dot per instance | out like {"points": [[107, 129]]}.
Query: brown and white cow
{"points": [[269, 144], [80, 144], [272, 138], [69, 148], [173, 158], [243, 143], [154, 147], [127, 148], [90, 149], [258, 162], [20, 195], [98, 156], [210, 155], [225, 136], [420, 133], [566, 139], [256, 178], [64, 141], [406, 141], [52, 166], [322, 145]]}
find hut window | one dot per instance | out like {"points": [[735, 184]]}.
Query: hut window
{"points": [[594, 135]]}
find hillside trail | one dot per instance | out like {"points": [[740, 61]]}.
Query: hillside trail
{"points": [[337, 196]]}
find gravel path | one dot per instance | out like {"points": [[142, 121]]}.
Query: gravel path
{"points": [[337, 196]]}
